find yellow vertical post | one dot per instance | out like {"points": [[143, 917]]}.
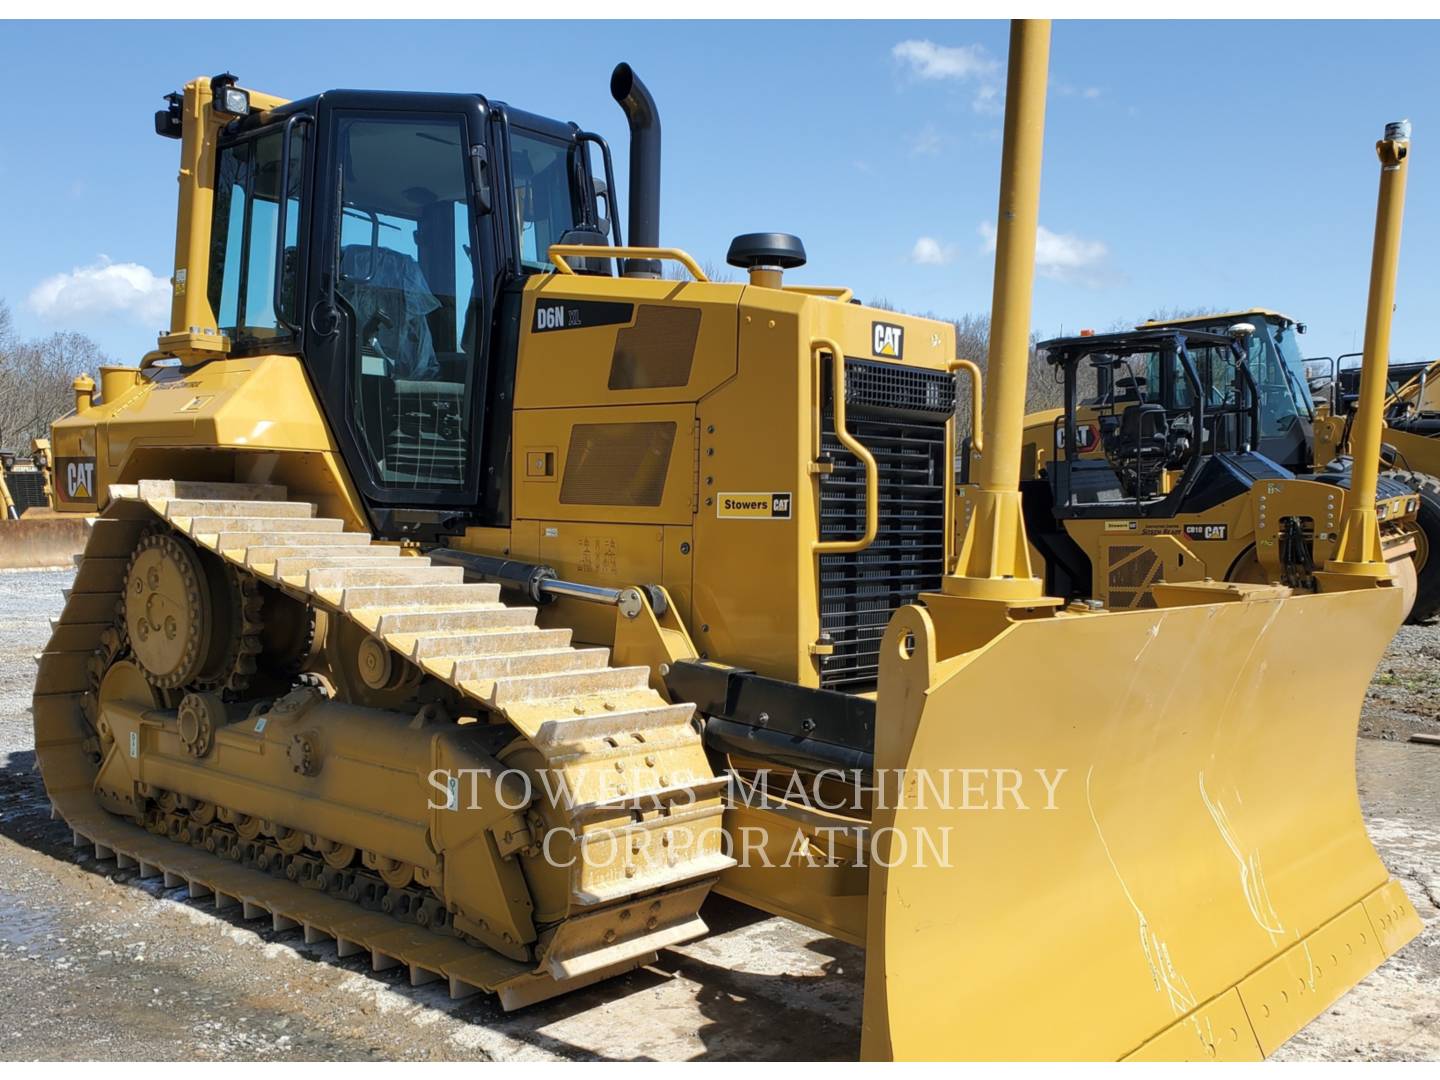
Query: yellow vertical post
{"points": [[193, 332], [1358, 553], [994, 560]]}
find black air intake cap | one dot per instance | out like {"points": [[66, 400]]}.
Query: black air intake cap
{"points": [[777, 249]]}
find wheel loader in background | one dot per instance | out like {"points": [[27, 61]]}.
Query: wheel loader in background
{"points": [[32, 534], [466, 593]]}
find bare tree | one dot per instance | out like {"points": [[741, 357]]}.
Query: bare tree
{"points": [[36, 378], [674, 271]]}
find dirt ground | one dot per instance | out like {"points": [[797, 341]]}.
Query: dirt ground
{"points": [[97, 964]]}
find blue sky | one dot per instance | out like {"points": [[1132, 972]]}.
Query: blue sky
{"points": [[1186, 164]]}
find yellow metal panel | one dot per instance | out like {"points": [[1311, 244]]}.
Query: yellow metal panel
{"points": [[550, 431], [1392, 916], [755, 578], [677, 569], [485, 541], [263, 402], [571, 367], [821, 886], [1217, 1031], [598, 553], [1309, 977], [525, 540], [1420, 453], [1189, 844]]}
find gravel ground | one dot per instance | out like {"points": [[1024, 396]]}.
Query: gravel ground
{"points": [[1404, 696], [96, 964]]}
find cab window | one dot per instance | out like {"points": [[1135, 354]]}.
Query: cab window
{"points": [[546, 206], [242, 243], [1283, 396]]}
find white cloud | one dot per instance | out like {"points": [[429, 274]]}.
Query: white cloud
{"points": [[103, 288], [1062, 256], [930, 252], [987, 100], [1091, 92], [961, 63], [930, 61], [928, 141]]}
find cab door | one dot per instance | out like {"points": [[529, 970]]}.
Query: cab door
{"points": [[402, 272]]}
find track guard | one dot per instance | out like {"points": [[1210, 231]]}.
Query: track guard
{"points": [[1203, 885]]}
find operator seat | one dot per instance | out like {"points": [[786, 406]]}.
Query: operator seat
{"points": [[1138, 447], [392, 302]]}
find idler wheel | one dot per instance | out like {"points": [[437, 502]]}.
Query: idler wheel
{"points": [[167, 617]]}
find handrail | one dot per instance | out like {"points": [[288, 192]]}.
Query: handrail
{"points": [[977, 437], [558, 252], [282, 208], [856, 447]]}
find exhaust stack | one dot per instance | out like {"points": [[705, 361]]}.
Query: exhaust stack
{"points": [[632, 96]]}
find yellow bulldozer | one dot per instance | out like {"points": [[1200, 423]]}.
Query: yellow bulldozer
{"points": [[32, 534], [466, 592]]}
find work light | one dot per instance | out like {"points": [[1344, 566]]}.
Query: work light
{"points": [[228, 98]]}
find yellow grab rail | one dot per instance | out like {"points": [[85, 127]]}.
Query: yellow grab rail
{"points": [[856, 447], [559, 252], [977, 436]]}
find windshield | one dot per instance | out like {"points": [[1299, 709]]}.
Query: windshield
{"points": [[1293, 366], [1278, 369]]}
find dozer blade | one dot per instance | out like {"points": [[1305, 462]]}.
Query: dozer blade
{"points": [[1200, 885], [42, 541]]}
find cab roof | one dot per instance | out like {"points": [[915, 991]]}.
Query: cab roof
{"points": [[1192, 320], [1144, 339]]}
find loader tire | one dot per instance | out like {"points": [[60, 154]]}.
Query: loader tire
{"points": [[1427, 542]]}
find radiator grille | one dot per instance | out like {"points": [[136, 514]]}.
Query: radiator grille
{"points": [[899, 415], [27, 488], [617, 464]]}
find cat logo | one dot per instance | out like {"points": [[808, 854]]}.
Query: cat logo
{"points": [[1208, 532], [887, 340], [79, 474]]}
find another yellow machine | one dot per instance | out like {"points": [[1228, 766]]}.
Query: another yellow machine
{"points": [[467, 593], [1170, 481], [1313, 438], [32, 535]]}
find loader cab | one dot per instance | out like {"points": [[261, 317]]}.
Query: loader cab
{"points": [[385, 238], [1287, 407]]}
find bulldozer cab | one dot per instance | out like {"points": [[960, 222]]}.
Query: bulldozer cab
{"points": [[385, 239], [1165, 404]]}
